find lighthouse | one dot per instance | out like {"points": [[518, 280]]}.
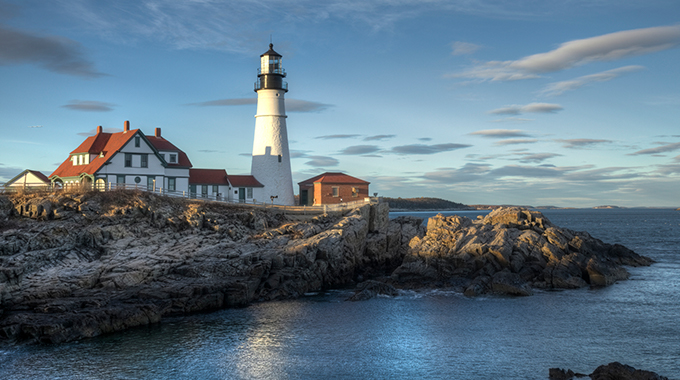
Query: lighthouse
{"points": [[271, 158]]}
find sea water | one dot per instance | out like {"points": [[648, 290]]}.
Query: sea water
{"points": [[429, 334]]}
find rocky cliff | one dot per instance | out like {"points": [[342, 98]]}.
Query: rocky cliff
{"points": [[81, 265], [510, 251]]}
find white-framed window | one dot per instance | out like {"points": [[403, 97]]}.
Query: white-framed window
{"points": [[172, 184], [137, 141], [173, 158], [249, 192], [120, 179], [145, 160], [128, 160], [336, 191]]}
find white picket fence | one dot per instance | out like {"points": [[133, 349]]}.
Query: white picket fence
{"points": [[304, 210]]}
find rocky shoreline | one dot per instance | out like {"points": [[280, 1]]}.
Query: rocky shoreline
{"points": [[74, 266]]}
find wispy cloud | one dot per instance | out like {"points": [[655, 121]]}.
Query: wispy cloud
{"points": [[427, 149], [322, 161], [292, 105], [512, 120], [53, 53], [607, 47], [360, 149], [296, 105], [500, 133], [536, 158], [378, 137], [333, 137], [425, 139], [581, 143], [559, 88], [529, 108], [89, 106], [463, 48], [35, 126], [659, 149], [515, 141]]}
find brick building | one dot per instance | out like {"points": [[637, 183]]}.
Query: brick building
{"points": [[332, 188]]}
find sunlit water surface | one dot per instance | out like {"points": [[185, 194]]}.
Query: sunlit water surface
{"points": [[433, 334]]}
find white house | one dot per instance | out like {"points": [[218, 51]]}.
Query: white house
{"points": [[29, 179], [127, 157]]}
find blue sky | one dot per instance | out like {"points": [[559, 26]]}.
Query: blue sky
{"points": [[569, 103]]}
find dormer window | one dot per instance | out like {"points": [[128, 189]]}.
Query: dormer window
{"points": [[137, 141], [173, 158]]}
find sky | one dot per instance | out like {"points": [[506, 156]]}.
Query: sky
{"points": [[563, 103]]}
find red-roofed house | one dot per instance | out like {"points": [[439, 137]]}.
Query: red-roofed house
{"points": [[216, 184], [127, 157], [29, 179], [332, 188]]}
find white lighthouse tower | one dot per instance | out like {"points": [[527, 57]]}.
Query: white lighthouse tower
{"points": [[271, 158]]}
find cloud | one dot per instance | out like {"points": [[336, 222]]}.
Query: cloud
{"points": [[292, 105], [659, 149], [468, 173], [581, 143], [559, 88], [378, 137], [536, 158], [529, 108], [89, 106], [427, 149], [515, 141], [500, 133], [35, 126], [211, 151], [607, 47], [526, 171], [463, 48], [322, 161], [296, 105], [360, 149], [58, 54], [425, 139], [93, 131], [332, 137]]}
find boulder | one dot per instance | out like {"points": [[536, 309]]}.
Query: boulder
{"points": [[511, 251]]}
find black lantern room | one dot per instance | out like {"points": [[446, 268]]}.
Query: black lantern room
{"points": [[271, 73]]}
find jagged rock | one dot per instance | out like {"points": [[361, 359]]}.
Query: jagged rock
{"points": [[110, 261], [510, 251], [611, 371]]}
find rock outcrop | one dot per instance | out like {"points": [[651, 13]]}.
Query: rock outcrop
{"points": [[76, 266], [510, 251], [611, 371], [80, 265]]}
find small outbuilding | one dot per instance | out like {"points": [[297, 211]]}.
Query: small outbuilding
{"points": [[332, 188], [29, 179]]}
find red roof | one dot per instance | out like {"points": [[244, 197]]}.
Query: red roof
{"points": [[244, 181], [335, 178], [108, 143], [162, 144], [208, 176]]}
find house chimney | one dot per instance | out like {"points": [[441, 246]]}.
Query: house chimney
{"points": [[99, 129], [157, 132], [126, 126]]}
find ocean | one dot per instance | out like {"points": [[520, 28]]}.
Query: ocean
{"points": [[426, 335]]}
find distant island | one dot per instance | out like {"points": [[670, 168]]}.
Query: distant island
{"points": [[424, 203]]}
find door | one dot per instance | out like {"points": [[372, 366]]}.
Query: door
{"points": [[303, 197], [242, 194]]}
